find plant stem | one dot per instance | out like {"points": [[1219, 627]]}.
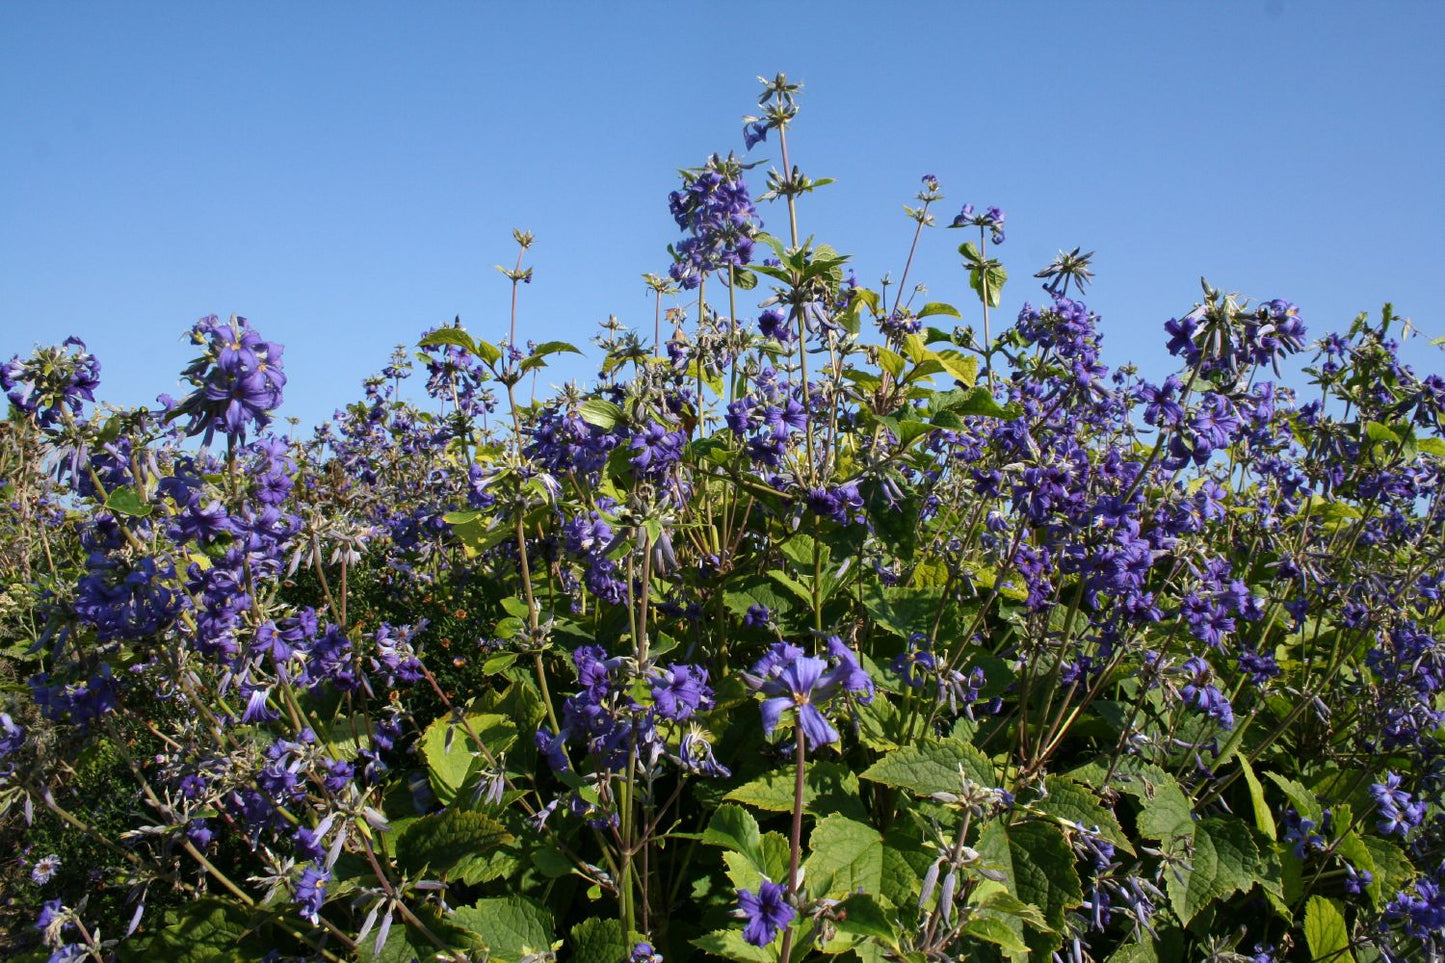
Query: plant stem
{"points": [[795, 841]]}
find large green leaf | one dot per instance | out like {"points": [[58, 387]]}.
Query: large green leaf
{"points": [[466, 846], [931, 768], [772, 864], [125, 501], [938, 308], [862, 915], [844, 856], [1325, 931], [597, 941], [604, 414], [905, 861], [455, 337], [208, 930], [993, 930], [1076, 803], [734, 828], [1166, 812], [1303, 801], [828, 787], [1043, 875], [1263, 816], [451, 753], [730, 945], [1226, 860], [513, 927]]}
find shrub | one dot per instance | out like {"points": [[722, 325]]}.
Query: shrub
{"points": [[810, 629]]}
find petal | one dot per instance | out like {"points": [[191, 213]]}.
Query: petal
{"points": [[772, 711], [804, 674], [816, 727]]}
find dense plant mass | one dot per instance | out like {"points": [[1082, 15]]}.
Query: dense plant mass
{"points": [[810, 629]]}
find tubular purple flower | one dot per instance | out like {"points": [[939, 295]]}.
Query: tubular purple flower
{"points": [[766, 911]]}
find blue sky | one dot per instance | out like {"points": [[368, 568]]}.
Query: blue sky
{"points": [[347, 175]]}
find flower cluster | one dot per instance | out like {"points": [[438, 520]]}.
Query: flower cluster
{"points": [[715, 209], [238, 379], [52, 383]]}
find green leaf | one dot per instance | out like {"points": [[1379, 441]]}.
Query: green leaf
{"points": [[891, 362], [756, 590], [512, 926], [730, 945], [1393, 868], [490, 353], [498, 664], [600, 412], [1074, 802], [993, 930], [734, 828], [1325, 931], [938, 307], [773, 864], [1140, 952], [1432, 446], [961, 366], [933, 767], [987, 280], [977, 401], [1303, 801], [828, 787], [1043, 874], [125, 501], [905, 862], [902, 611], [515, 607], [455, 337], [1226, 860], [1263, 816], [459, 844], [862, 915], [598, 941], [1379, 433], [1166, 810], [1005, 904], [844, 856], [1353, 849], [208, 930], [554, 347], [451, 753]]}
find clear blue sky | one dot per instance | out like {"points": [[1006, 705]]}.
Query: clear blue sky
{"points": [[346, 175]]}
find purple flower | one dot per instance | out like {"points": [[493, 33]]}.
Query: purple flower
{"points": [[238, 379], [311, 891], [796, 685], [1197, 692], [1398, 812], [657, 450], [680, 690], [1357, 880], [714, 207], [199, 832], [772, 324], [766, 912], [44, 869], [915, 663], [12, 735], [991, 220], [792, 680], [51, 381]]}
